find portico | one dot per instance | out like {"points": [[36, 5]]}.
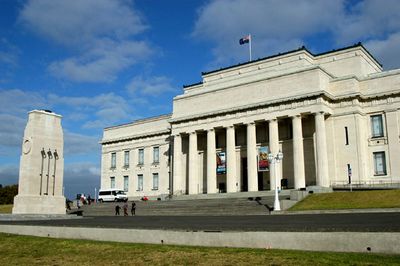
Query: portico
{"points": [[241, 141]]}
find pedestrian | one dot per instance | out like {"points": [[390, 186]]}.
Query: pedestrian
{"points": [[89, 199], [133, 208], [117, 208], [125, 209]]}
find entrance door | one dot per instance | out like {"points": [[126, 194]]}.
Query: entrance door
{"points": [[260, 181], [244, 175]]}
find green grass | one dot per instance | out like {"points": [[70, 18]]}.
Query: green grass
{"points": [[7, 208], [27, 250], [350, 200]]}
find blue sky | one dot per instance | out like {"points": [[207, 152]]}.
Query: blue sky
{"points": [[105, 62]]}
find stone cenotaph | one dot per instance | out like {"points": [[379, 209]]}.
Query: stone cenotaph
{"points": [[40, 189]]}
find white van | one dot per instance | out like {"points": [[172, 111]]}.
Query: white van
{"points": [[112, 194]]}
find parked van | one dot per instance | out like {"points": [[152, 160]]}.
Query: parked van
{"points": [[112, 194]]}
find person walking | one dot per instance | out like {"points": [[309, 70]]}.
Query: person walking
{"points": [[117, 208], [125, 209], [133, 208]]}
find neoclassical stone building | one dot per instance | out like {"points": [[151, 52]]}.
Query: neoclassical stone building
{"points": [[332, 115]]}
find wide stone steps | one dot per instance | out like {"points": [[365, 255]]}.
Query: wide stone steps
{"points": [[189, 207]]}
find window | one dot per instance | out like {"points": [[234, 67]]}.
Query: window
{"points": [[126, 183], [155, 181], [113, 160], [377, 126], [126, 159], [141, 156], [156, 154], [140, 182], [112, 182], [346, 134], [380, 163]]}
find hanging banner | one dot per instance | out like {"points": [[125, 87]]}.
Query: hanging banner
{"points": [[221, 163], [263, 164]]}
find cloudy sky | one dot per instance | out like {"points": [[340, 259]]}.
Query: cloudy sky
{"points": [[100, 63]]}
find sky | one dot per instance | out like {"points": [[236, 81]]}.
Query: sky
{"points": [[101, 63]]}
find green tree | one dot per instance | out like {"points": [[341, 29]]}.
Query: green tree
{"points": [[7, 194]]}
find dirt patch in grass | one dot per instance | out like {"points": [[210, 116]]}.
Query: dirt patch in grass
{"points": [[350, 200], [7, 208], [26, 250]]}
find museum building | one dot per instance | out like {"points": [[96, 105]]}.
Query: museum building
{"points": [[334, 116]]}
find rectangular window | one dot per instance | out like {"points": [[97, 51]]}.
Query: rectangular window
{"points": [[126, 183], [141, 156], [156, 154], [377, 126], [380, 163], [112, 182], [346, 134], [140, 182], [113, 160], [155, 181], [126, 159]]}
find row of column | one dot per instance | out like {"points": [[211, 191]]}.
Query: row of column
{"points": [[231, 180]]}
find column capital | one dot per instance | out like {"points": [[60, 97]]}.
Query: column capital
{"points": [[273, 119], [192, 133], [296, 116], [210, 129], [320, 113], [176, 135], [251, 123], [230, 126]]}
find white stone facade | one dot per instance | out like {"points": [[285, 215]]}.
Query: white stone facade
{"points": [[327, 113]]}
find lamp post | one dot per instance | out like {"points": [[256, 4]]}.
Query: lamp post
{"points": [[274, 160]]}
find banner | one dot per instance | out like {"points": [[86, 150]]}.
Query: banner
{"points": [[263, 164], [221, 163]]}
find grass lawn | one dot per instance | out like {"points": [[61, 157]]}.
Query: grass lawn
{"points": [[7, 208], [350, 200], [27, 250]]}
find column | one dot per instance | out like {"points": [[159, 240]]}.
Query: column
{"points": [[193, 159], [252, 157], [177, 187], [274, 148], [322, 153], [298, 153], [211, 162], [230, 160]]}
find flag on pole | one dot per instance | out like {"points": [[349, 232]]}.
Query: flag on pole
{"points": [[245, 39]]}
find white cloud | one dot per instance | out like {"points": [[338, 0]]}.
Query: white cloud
{"points": [[80, 22], [99, 31], [101, 62], [279, 26], [150, 86], [274, 25], [387, 51], [75, 144]]}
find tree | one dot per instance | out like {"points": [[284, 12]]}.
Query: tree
{"points": [[7, 194]]}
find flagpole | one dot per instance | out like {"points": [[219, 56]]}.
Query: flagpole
{"points": [[250, 46]]}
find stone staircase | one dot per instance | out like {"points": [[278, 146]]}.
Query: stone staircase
{"points": [[190, 205]]}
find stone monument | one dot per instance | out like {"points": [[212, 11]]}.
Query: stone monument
{"points": [[41, 169]]}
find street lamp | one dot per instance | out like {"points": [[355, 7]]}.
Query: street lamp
{"points": [[274, 160]]}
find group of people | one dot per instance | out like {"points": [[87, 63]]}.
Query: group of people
{"points": [[125, 208]]}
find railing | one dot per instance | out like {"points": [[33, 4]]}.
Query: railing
{"points": [[370, 184]]}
